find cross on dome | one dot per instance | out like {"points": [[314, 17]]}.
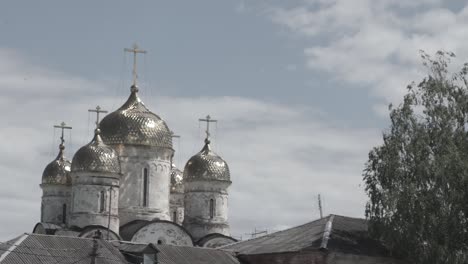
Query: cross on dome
{"points": [[135, 49], [208, 120], [97, 111], [62, 126], [173, 135]]}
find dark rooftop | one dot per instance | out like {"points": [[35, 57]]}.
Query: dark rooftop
{"points": [[332, 233], [45, 249]]}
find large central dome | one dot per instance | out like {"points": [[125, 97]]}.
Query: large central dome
{"points": [[134, 124]]}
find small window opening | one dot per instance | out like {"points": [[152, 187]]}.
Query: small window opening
{"points": [[64, 213], [145, 187], [102, 201], [160, 242], [42, 211], [174, 216], [212, 209]]}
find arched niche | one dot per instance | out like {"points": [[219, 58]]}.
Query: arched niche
{"points": [[215, 240], [158, 232]]}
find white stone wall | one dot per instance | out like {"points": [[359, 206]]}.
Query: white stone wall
{"points": [[54, 196], [133, 161], [165, 233], [176, 201], [86, 200], [197, 216]]}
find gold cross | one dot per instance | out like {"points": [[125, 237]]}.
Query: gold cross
{"points": [[135, 50], [208, 120], [97, 111], [63, 126]]}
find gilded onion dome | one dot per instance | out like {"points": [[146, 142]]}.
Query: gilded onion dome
{"points": [[96, 157], [206, 165], [176, 180], [58, 171], [134, 124]]}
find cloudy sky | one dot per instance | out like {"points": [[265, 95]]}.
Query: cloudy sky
{"points": [[300, 90]]}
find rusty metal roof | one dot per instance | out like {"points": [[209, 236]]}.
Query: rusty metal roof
{"points": [[332, 233], [45, 249]]}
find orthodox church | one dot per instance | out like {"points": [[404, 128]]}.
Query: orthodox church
{"points": [[124, 184]]}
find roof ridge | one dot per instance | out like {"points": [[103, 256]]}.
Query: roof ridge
{"points": [[326, 232], [15, 244], [73, 237]]}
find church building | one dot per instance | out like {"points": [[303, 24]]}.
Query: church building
{"points": [[124, 183]]}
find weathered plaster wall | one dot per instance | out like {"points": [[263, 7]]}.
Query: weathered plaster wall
{"points": [[314, 257], [197, 218], [54, 196], [163, 233], [86, 200], [176, 204], [342, 258], [133, 160]]}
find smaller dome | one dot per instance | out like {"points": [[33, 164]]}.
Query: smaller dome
{"points": [[58, 171], [96, 157], [206, 165], [176, 180]]}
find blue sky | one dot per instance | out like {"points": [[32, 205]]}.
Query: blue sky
{"points": [[300, 89]]}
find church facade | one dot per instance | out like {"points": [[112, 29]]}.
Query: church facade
{"points": [[125, 184]]}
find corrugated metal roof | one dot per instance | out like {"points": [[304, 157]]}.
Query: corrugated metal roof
{"points": [[193, 255], [132, 247], [45, 249], [347, 235]]}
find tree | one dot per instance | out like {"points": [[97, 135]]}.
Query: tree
{"points": [[417, 180]]}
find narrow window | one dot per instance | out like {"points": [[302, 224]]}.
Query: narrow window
{"points": [[212, 209], [42, 211], [174, 216], [102, 202], [145, 187], [64, 213]]}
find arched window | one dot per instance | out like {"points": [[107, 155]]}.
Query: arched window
{"points": [[145, 187], [212, 208], [64, 213], [174, 216], [42, 211], [102, 201]]}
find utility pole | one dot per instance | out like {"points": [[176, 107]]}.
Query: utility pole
{"points": [[109, 215], [320, 206], [256, 232]]}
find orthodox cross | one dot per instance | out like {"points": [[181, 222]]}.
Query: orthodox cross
{"points": [[97, 111], [208, 120], [63, 126], [135, 50], [173, 135]]}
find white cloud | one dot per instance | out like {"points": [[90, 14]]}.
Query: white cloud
{"points": [[281, 156], [375, 44]]}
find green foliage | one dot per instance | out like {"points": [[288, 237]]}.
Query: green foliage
{"points": [[417, 180]]}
